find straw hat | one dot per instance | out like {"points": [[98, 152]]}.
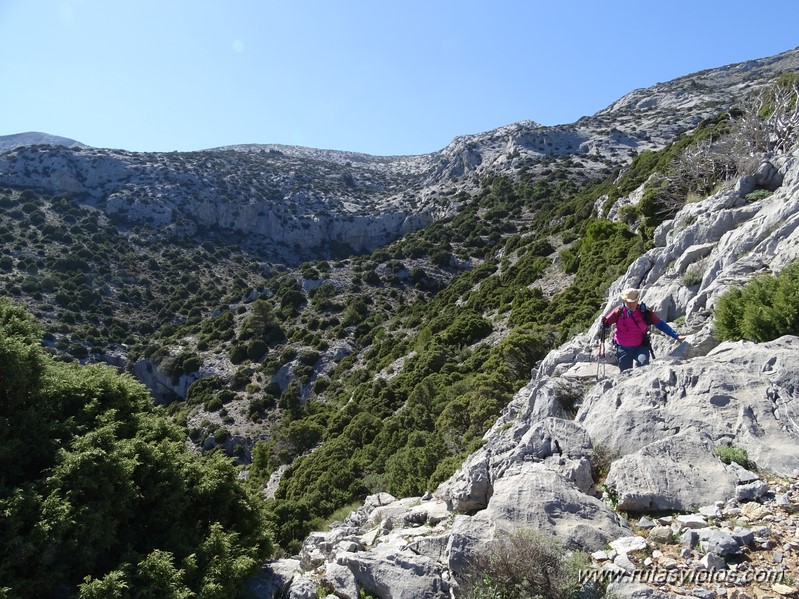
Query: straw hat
{"points": [[631, 295]]}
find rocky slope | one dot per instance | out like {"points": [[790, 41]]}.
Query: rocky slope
{"points": [[660, 425]]}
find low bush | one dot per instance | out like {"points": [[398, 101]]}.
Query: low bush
{"points": [[238, 354], [523, 565], [256, 349], [692, 276], [758, 194], [731, 453], [762, 310]]}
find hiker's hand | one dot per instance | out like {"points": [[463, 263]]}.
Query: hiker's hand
{"points": [[680, 338]]}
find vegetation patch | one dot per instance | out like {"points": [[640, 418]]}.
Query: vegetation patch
{"points": [[732, 453], [762, 310], [523, 565]]}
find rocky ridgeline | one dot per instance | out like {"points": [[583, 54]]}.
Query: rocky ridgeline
{"points": [[291, 204], [685, 511]]}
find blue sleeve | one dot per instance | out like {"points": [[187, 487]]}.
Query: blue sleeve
{"points": [[662, 326]]}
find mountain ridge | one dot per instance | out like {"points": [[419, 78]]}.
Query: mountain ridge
{"points": [[30, 138], [304, 198], [11, 141]]}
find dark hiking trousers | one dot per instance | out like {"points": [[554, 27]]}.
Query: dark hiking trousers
{"points": [[626, 355]]}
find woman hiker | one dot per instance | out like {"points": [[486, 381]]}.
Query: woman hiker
{"points": [[632, 321]]}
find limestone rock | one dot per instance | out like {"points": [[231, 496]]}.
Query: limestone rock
{"points": [[676, 473], [628, 544], [342, 580], [533, 496], [387, 573], [274, 579], [717, 541], [742, 393]]}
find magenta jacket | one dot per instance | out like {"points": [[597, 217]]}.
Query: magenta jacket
{"points": [[631, 326]]}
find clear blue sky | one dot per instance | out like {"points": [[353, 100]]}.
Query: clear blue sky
{"points": [[376, 76]]}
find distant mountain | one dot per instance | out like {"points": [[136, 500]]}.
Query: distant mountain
{"points": [[294, 204], [35, 138]]}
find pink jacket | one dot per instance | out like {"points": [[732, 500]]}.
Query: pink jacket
{"points": [[630, 326]]}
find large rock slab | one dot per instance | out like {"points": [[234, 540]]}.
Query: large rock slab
{"points": [[391, 574], [678, 473], [562, 445], [533, 497], [743, 393]]}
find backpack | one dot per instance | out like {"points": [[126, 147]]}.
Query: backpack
{"points": [[648, 320]]}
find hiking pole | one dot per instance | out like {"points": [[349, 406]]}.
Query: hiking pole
{"points": [[600, 354]]}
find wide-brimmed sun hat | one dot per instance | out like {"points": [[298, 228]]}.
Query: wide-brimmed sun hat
{"points": [[631, 295]]}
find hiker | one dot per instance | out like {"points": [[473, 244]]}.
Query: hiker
{"points": [[631, 338]]}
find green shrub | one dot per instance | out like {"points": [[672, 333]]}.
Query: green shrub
{"points": [[303, 434], [214, 404], [765, 308], [758, 194], [238, 354], [109, 487], [629, 213], [191, 363], [570, 261], [256, 349], [221, 434], [201, 390], [692, 276], [467, 328], [309, 358], [321, 384], [540, 247], [731, 453]]}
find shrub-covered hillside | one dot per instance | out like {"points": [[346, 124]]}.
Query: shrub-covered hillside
{"points": [[99, 495]]}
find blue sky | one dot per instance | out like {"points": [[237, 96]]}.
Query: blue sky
{"points": [[384, 78]]}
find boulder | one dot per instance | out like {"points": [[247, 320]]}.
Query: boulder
{"points": [[274, 579], [470, 488], [303, 587], [562, 445], [718, 542], [533, 497], [341, 579], [391, 574], [677, 473]]}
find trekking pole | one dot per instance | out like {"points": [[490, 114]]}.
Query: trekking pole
{"points": [[600, 354]]}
